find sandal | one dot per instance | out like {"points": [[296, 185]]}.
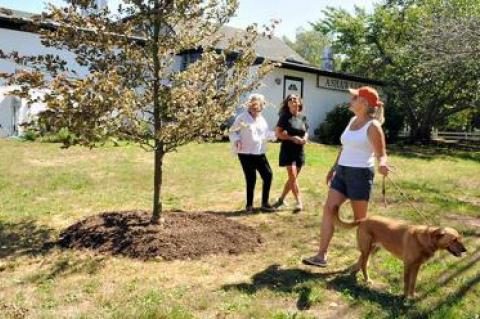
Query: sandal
{"points": [[315, 261]]}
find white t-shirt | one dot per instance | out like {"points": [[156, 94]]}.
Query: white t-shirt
{"points": [[252, 133]]}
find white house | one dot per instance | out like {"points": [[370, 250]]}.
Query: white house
{"points": [[320, 89]]}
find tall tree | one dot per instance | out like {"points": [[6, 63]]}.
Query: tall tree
{"points": [[396, 43], [132, 89], [310, 44]]}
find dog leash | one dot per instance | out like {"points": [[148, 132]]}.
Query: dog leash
{"points": [[405, 196]]}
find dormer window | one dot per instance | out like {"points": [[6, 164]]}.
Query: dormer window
{"points": [[189, 58]]}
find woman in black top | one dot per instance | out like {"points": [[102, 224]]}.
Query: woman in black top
{"points": [[292, 130]]}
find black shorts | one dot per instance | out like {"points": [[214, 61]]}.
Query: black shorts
{"points": [[291, 158], [355, 183]]}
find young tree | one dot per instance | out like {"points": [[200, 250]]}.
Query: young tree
{"points": [[132, 90]]}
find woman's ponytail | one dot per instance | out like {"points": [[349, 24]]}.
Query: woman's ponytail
{"points": [[377, 112]]}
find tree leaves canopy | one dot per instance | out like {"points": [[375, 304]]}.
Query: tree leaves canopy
{"points": [[417, 48], [119, 52]]}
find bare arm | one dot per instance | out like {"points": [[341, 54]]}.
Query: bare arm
{"points": [[305, 137], [338, 156], [332, 169], [377, 138], [283, 135]]}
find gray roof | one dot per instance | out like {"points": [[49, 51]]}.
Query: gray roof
{"points": [[15, 14], [271, 48]]}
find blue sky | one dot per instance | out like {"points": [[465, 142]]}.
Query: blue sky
{"points": [[292, 13]]}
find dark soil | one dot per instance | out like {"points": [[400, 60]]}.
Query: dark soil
{"points": [[180, 236]]}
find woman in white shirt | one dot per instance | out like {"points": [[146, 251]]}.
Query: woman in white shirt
{"points": [[249, 134], [351, 177]]}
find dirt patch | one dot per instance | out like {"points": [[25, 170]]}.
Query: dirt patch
{"points": [[470, 200], [181, 236], [13, 311], [467, 220]]}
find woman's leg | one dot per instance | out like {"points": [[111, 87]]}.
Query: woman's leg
{"points": [[360, 208], [265, 171], [334, 200], [287, 187], [250, 176], [286, 190], [292, 180]]}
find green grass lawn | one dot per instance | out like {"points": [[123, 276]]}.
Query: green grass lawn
{"points": [[43, 189]]}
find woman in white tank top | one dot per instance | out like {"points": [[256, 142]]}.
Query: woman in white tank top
{"points": [[351, 177]]}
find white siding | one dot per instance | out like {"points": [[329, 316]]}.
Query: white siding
{"points": [[15, 111], [28, 44], [317, 101]]}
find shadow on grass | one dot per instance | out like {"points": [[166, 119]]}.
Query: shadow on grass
{"points": [[239, 213], [301, 281], [283, 280], [471, 233], [67, 265], [450, 300], [24, 238], [447, 276], [430, 152]]}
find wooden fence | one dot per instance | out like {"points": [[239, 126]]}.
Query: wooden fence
{"points": [[450, 136], [456, 136]]}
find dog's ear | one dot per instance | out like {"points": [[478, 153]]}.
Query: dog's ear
{"points": [[438, 233]]}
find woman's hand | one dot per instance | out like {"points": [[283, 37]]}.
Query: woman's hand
{"points": [[383, 169], [238, 145], [330, 175], [298, 140]]}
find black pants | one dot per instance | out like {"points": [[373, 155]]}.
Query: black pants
{"points": [[250, 164]]}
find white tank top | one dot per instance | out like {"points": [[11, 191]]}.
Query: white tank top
{"points": [[357, 151]]}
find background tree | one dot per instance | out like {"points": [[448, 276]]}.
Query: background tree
{"points": [[309, 44], [131, 90], [387, 44]]}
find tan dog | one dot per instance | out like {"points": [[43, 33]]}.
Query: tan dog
{"points": [[413, 244]]}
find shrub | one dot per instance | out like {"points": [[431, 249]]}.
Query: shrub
{"points": [[62, 136], [29, 135], [394, 121], [331, 129]]}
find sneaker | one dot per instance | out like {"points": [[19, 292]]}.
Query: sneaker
{"points": [[279, 203], [249, 209], [267, 208], [298, 207], [315, 261]]}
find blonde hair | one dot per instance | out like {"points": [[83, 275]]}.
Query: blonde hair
{"points": [[377, 112], [255, 97]]}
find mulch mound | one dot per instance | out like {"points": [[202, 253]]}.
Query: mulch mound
{"points": [[180, 236]]}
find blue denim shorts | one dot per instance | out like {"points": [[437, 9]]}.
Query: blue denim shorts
{"points": [[355, 183]]}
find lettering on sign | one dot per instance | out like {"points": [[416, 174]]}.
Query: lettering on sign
{"points": [[337, 84]]}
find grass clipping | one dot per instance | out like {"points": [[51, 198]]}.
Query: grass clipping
{"points": [[181, 236]]}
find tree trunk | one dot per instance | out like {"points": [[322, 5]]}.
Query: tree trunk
{"points": [[157, 118], [157, 181], [421, 133]]}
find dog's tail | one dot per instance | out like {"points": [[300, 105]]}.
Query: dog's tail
{"points": [[343, 224]]}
